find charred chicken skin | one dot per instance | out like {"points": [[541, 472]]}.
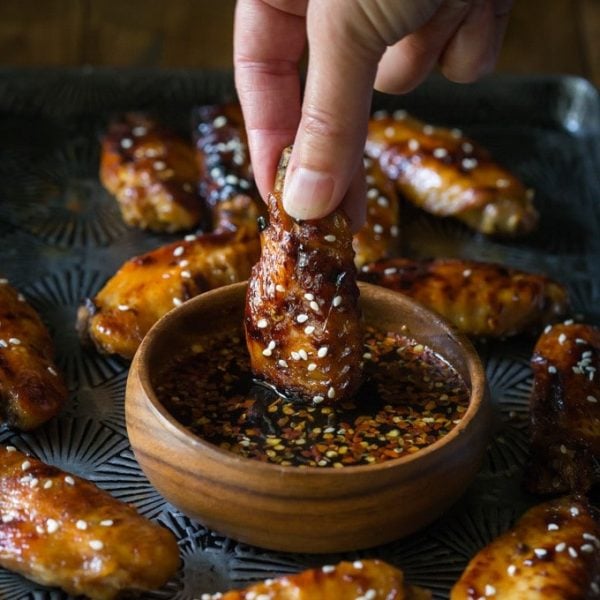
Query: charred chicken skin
{"points": [[449, 175], [552, 553], [302, 321], [367, 579], [565, 409], [31, 389], [153, 175], [480, 299], [60, 530]]}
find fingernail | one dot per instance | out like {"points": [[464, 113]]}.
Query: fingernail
{"points": [[308, 194]]}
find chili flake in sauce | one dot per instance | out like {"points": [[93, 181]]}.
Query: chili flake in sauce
{"points": [[411, 398]]}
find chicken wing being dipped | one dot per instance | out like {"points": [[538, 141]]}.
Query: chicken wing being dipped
{"points": [[565, 409], [153, 175], [480, 299], [552, 553], [31, 389], [378, 238], [449, 175], [362, 579], [302, 320], [147, 287], [60, 530]]}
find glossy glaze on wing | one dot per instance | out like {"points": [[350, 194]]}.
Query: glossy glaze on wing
{"points": [[302, 320], [481, 299], [147, 287], [153, 175], [60, 530], [552, 553], [449, 175], [31, 388], [366, 580], [379, 236], [565, 409]]}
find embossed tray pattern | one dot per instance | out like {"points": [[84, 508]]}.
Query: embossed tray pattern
{"points": [[61, 238]]}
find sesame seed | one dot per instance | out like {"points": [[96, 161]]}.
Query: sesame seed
{"points": [[377, 228], [586, 354], [456, 133], [123, 307], [337, 301], [574, 511], [14, 341], [309, 329], [219, 121], [282, 363], [560, 547], [52, 526], [318, 399], [440, 153], [389, 131], [380, 114], [303, 354], [96, 545], [126, 143], [81, 524], [357, 564], [160, 165], [177, 301], [261, 323], [587, 548], [413, 145], [502, 183], [467, 273], [469, 163], [186, 274], [232, 179], [295, 355], [20, 298], [302, 318], [551, 369], [591, 538], [331, 393], [383, 201], [3, 344], [540, 552], [69, 480], [309, 296], [322, 351], [595, 587], [547, 329], [11, 449], [580, 341], [188, 187], [33, 482], [328, 569], [311, 366], [279, 288], [39, 529], [7, 518], [25, 465], [178, 251], [139, 130], [367, 356], [107, 523], [390, 271], [511, 570], [552, 527], [569, 322], [427, 129], [489, 590], [573, 552], [562, 338], [399, 114], [314, 306], [563, 449], [330, 238], [467, 147], [189, 238], [372, 193], [48, 484], [3, 281]]}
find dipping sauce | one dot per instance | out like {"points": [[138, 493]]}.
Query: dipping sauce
{"points": [[411, 398]]}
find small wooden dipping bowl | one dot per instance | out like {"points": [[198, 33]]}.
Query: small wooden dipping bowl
{"points": [[303, 509]]}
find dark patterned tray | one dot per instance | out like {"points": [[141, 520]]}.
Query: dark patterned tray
{"points": [[61, 237]]}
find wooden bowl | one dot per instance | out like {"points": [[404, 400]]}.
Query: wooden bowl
{"points": [[307, 509]]}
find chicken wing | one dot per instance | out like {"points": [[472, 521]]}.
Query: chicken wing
{"points": [[146, 287], [360, 580], [553, 553], [31, 389], [480, 299], [303, 327], [226, 179], [378, 238], [449, 175], [60, 530], [153, 175], [565, 409]]}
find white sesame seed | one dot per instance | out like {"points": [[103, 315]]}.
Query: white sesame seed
{"points": [[309, 296], [303, 354], [489, 590], [123, 307], [328, 569], [311, 367], [302, 318], [184, 263], [367, 356], [337, 301], [540, 552], [81, 524], [52, 526], [7, 518], [357, 564], [389, 131], [48, 484], [107, 523], [220, 121], [390, 271], [560, 547], [563, 449], [126, 143], [467, 147], [552, 527], [394, 231], [314, 306], [399, 114], [562, 338], [186, 274], [295, 355], [383, 201], [25, 465], [569, 322], [261, 323], [547, 329], [322, 351], [377, 228], [511, 570], [330, 238], [69, 480], [3, 344], [96, 545], [574, 511], [282, 363], [190, 238], [456, 133], [440, 152], [166, 275], [39, 529], [20, 298], [580, 341], [467, 273], [309, 329], [34, 482], [586, 354], [551, 369], [318, 399], [177, 301], [573, 552], [232, 179], [14, 341], [591, 538], [413, 145], [160, 165], [279, 288], [11, 449], [428, 129], [469, 163], [139, 130], [372, 193], [3, 281], [502, 183], [331, 393], [595, 587], [587, 548]]}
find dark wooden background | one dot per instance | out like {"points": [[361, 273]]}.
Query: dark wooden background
{"points": [[544, 36]]}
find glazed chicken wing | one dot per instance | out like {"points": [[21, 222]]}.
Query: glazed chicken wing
{"points": [[31, 389], [565, 409], [449, 175], [147, 287], [302, 318], [553, 553], [378, 238], [360, 580], [153, 175], [60, 530], [480, 299]]}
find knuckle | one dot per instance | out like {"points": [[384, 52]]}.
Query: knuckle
{"points": [[322, 124]]}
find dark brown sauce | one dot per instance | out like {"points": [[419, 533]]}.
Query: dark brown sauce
{"points": [[411, 398]]}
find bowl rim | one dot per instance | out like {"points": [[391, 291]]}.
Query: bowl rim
{"points": [[478, 396]]}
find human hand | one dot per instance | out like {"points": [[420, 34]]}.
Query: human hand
{"points": [[355, 45]]}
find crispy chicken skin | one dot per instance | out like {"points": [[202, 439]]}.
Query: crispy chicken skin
{"points": [[378, 238], [60, 530], [565, 409], [303, 327], [449, 175], [367, 579], [480, 299], [147, 287], [552, 553], [31, 389], [152, 173]]}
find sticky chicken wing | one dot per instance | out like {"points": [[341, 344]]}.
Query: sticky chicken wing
{"points": [[153, 175], [553, 553], [565, 409], [302, 320], [449, 175], [360, 580], [480, 299], [378, 238], [60, 530], [146, 287], [31, 389]]}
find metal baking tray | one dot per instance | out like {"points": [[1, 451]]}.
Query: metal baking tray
{"points": [[61, 238]]}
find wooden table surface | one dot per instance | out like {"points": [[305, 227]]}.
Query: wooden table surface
{"points": [[549, 36]]}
